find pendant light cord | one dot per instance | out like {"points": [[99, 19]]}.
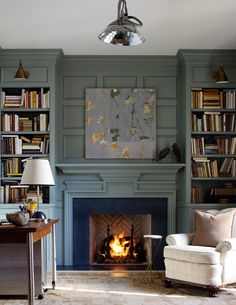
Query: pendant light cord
{"points": [[122, 14]]}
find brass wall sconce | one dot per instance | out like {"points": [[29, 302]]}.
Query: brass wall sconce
{"points": [[21, 73], [220, 76], [123, 31]]}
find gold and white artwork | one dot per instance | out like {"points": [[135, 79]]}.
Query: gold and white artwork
{"points": [[120, 123]]}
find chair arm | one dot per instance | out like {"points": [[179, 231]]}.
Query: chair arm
{"points": [[226, 245], [179, 239]]}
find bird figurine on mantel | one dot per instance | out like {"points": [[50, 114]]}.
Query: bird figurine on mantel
{"points": [[176, 152], [162, 154]]}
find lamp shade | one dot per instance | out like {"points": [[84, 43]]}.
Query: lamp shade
{"points": [[123, 33], [37, 172]]}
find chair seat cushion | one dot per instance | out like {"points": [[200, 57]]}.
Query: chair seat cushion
{"points": [[194, 254]]}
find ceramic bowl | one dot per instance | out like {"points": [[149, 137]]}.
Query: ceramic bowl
{"points": [[18, 218]]}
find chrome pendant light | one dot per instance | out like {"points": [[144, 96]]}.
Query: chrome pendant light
{"points": [[123, 31]]}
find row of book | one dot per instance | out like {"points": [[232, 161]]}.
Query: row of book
{"points": [[213, 98], [205, 168], [18, 145], [12, 192], [220, 194], [213, 145], [214, 121], [15, 122], [197, 194], [26, 99], [12, 167]]}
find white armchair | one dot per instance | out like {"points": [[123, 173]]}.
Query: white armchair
{"points": [[209, 266]]}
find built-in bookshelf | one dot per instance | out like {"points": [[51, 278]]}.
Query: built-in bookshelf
{"points": [[25, 133], [213, 145]]}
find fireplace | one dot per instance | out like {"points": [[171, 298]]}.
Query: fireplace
{"points": [[96, 219], [118, 238]]}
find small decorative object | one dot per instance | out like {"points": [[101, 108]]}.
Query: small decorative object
{"points": [[18, 218], [163, 153], [176, 152], [121, 123]]}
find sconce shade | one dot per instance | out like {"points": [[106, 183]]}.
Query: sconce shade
{"points": [[123, 31], [21, 73], [37, 172], [220, 76]]}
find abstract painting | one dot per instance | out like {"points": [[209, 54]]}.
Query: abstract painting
{"points": [[120, 123]]}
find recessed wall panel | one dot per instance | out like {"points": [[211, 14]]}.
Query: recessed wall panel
{"points": [[120, 81], [165, 85], [73, 146], [166, 117], [73, 117], [74, 86], [37, 74]]}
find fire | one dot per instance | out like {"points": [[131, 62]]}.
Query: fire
{"points": [[119, 246]]}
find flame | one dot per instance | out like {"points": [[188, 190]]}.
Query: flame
{"points": [[119, 246]]}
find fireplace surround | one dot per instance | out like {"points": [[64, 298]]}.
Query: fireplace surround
{"points": [[98, 181], [83, 208]]}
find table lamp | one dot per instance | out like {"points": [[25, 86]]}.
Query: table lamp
{"points": [[37, 172]]}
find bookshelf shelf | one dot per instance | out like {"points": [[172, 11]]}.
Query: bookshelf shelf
{"points": [[213, 110], [212, 133], [213, 178], [5, 110], [213, 146], [24, 132], [214, 155], [25, 118]]}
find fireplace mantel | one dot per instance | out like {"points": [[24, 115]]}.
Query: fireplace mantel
{"points": [[115, 170]]}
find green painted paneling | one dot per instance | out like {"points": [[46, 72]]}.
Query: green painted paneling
{"points": [[166, 117], [120, 81], [73, 146], [141, 72], [73, 116], [165, 86], [74, 86]]}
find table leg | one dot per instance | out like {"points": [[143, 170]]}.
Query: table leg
{"points": [[54, 266], [30, 257]]}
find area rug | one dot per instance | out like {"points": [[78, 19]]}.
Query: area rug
{"points": [[124, 288]]}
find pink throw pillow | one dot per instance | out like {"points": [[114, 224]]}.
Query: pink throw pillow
{"points": [[210, 229]]}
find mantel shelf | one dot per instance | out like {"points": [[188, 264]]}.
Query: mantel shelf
{"points": [[141, 168]]}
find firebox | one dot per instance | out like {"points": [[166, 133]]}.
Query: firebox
{"points": [[118, 239], [99, 221]]}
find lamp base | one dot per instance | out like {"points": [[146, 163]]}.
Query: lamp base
{"points": [[39, 215]]}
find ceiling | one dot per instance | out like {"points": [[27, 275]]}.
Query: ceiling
{"points": [[74, 25]]}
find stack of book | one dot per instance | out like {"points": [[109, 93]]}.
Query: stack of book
{"points": [[11, 101], [212, 98]]}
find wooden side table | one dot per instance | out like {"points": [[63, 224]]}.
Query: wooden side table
{"points": [[28, 235]]}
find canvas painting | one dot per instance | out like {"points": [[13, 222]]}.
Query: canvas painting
{"points": [[120, 123]]}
